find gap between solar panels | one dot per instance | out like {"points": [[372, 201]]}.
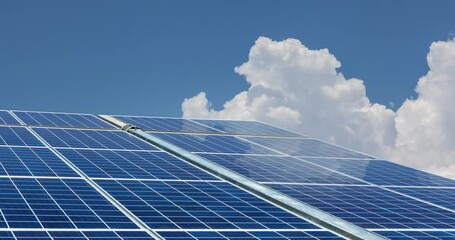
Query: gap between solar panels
{"points": [[299, 208]]}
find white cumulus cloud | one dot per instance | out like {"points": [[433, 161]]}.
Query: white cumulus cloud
{"points": [[300, 89]]}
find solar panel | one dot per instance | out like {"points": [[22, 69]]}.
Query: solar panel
{"points": [[371, 207], [253, 235], [74, 235], [383, 172], [166, 124], [7, 118], [245, 127], [18, 136], [48, 119], [278, 169], [441, 196], [94, 139], [133, 164], [306, 147], [213, 143], [418, 235]]}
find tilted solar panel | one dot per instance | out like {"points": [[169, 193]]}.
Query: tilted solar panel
{"points": [[49, 119], [418, 235], [166, 124], [18, 136], [250, 235], [7, 118], [444, 197]]}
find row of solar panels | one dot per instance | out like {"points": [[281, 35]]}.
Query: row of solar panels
{"points": [[167, 193]]}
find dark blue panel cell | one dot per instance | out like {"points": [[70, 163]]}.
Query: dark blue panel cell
{"points": [[103, 139], [199, 205], [133, 164], [246, 127], [18, 136], [418, 235], [213, 143], [444, 197], [47, 119], [32, 235], [7, 118], [370, 207], [166, 124], [246, 235], [383, 172], [25, 161], [306, 147], [278, 169]]}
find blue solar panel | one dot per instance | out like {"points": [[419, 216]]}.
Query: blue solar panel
{"points": [[246, 127], [18, 136], [213, 143], [7, 118], [48, 119], [166, 124], [383, 172], [441, 196], [103, 139], [74, 235], [418, 235], [278, 169], [371, 207], [133, 164], [199, 205], [306, 147], [246, 235], [26, 161]]}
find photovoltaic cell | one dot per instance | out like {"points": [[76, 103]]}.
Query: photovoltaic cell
{"points": [[213, 143], [133, 164], [199, 205], [383, 172], [18, 136], [371, 207], [47, 119], [306, 147], [278, 169], [74, 235], [27, 161], [103, 139], [418, 235], [247, 235], [245, 127], [441, 196], [6, 118], [166, 124]]}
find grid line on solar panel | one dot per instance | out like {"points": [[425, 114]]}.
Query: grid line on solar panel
{"points": [[57, 203], [245, 127], [444, 197], [166, 124], [278, 169], [382, 172], [52, 119], [203, 143], [18, 136], [7, 119], [133, 164], [91, 139], [305, 147], [418, 235], [32, 161], [199, 205], [73, 235], [370, 206], [246, 235]]}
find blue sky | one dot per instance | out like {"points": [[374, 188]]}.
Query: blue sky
{"points": [[145, 57]]}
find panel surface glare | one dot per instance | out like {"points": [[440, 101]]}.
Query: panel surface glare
{"points": [[246, 127], [166, 124], [306, 147], [383, 172], [102, 139], [278, 169], [27, 161], [371, 207], [253, 235], [213, 143], [418, 235], [47, 119], [444, 197], [199, 205], [7, 118], [56, 203], [133, 164], [18, 136]]}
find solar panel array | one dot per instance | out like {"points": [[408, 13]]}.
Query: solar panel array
{"points": [[75, 176]]}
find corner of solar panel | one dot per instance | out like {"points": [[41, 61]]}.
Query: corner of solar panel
{"points": [[79, 176]]}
